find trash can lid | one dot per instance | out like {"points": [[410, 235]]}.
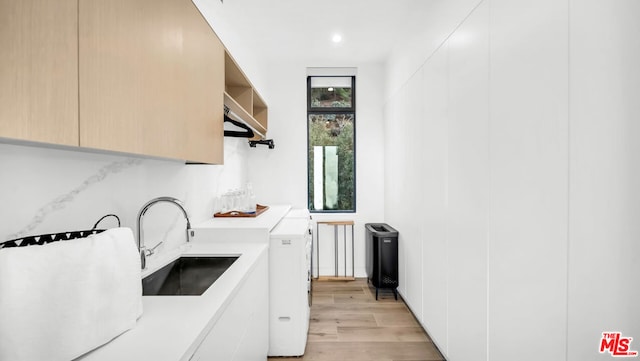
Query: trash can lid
{"points": [[381, 229]]}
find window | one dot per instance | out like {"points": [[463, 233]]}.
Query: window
{"points": [[331, 138]]}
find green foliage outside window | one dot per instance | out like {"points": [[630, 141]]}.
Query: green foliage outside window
{"points": [[334, 130]]}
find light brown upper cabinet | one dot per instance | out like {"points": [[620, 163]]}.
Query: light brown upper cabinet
{"points": [[151, 79], [39, 70]]}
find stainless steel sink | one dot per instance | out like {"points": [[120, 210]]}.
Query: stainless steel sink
{"points": [[186, 276]]}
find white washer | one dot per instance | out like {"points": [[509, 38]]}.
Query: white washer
{"points": [[290, 287]]}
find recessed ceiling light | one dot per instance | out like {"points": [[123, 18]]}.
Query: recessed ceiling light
{"points": [[336, 38], [330, 89]]}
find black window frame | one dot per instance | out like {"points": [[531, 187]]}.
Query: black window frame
{"points": [[331, 110]]}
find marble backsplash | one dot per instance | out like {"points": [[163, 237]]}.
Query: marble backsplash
{"points": [[46, 190]]}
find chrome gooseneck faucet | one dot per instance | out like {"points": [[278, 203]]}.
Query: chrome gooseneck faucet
{"points": [[144, 252]]}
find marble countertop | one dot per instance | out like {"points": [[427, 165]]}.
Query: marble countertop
{"points": [[172, 327], [267, 220], [239, 230]]}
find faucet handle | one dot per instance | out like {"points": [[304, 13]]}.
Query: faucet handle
{"points": [[143, 258], [144, 252], [152, 250]]}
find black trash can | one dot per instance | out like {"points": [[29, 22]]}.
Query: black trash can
{"points": [[381, 248]]}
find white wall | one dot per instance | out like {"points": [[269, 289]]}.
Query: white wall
{"points": [[280, 175], [528, 162]]}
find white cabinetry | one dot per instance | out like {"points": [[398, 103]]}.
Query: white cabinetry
{"points": [[433, 176], [290, 287], [604, 251], [242, 332], [287, 280], [528, 152], [493, 131], [468, 181]]}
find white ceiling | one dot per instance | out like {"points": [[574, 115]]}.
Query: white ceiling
{"points": [[302, 29]]}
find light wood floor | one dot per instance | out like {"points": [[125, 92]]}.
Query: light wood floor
{"points": [[347, 323]]}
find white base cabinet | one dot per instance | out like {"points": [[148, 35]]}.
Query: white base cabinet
{"points": [[242, 332]]}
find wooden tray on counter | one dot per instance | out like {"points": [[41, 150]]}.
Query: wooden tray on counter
{"points": [[235, 214]]}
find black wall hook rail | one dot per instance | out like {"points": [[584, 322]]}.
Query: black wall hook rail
{"points": [[267, 142]]}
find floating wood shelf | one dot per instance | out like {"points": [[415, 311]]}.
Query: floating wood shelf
{"points": [[247, 118], [242, 99]]}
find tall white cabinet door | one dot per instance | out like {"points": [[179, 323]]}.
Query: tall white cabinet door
{"points": [[433, 162], [604, 229], [529, 179], [404, 186], [468, 187], [412, 186]]}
